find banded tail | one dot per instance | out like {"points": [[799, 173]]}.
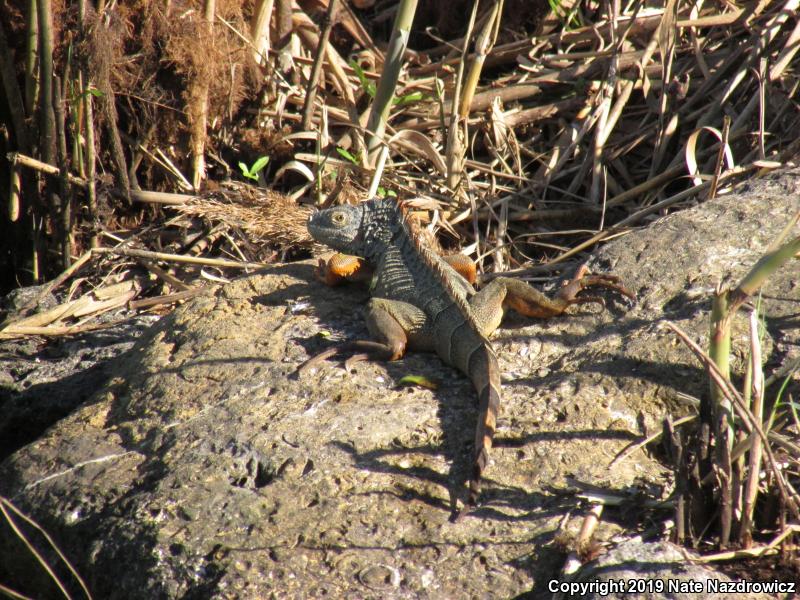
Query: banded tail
{"points": [[485, 375]]}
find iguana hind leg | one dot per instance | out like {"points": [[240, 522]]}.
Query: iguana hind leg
{"points": [[504, 292]]}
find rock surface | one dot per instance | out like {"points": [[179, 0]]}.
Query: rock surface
{"points": [[205, 469], [647, 571], [40, 383]]}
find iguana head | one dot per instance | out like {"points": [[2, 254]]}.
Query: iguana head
{"points": [[337, 227], [361, 230]]}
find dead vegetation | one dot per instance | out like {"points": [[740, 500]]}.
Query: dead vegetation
{"points": [[737, 469], [528, 135]]}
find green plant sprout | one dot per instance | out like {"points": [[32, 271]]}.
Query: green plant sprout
{"points": [[347, 155], [252, 172], [369, 88], [89, 91], [410, 98], [366, 84]]}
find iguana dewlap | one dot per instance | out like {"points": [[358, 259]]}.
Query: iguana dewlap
{"points": [[420, 302]]}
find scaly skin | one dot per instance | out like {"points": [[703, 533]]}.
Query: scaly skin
{"points": [[423, 302]]}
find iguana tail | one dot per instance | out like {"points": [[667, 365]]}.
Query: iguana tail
{"points": [[485, 375]]}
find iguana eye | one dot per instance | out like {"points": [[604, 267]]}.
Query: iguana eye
{"points": [[338, 218]]}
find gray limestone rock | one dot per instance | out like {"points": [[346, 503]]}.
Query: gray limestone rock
{"points": [[636, 570]]}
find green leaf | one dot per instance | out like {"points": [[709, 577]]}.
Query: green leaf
{"points": [[408, 99], [346, 155], [93, 91], [259, 165], [439, 85], [246, 172], [366, 84], [418, 380], [383, 192], [252, 172]]}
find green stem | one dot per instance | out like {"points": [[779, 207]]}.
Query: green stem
{"points": [[398, 43], [762, 270], [31, 46]]}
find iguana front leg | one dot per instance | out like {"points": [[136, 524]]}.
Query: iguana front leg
{"points": [[390, 323]]}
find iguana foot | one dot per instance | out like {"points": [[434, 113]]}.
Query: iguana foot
{"points": [[366, 349], [456, 516], [582, 280], [469, 506]]}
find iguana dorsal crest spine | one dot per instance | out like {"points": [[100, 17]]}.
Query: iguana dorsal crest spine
{"points": [[434, 263]]}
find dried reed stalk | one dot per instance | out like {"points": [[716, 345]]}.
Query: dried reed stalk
{"points": [[311, 88]]}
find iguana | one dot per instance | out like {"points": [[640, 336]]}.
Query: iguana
{"points": [[421, 302]]}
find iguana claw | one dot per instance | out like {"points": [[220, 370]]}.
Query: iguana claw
{"points": [[582, 280], [367, 350]]}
